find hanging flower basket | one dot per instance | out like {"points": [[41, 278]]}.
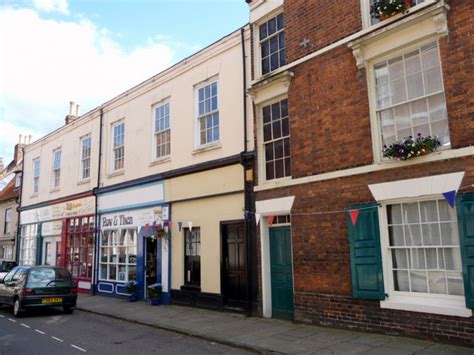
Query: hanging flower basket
{"points": [[383, 9], [410, 148], [161, 233]]}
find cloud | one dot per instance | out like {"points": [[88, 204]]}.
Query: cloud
{"points": [[47, 63], [60, 6]]}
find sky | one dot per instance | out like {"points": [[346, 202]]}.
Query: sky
{"points": [[89, 51]]}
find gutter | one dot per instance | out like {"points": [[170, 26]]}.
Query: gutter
{"points": [[18, 209]]}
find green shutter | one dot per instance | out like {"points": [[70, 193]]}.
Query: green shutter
{"points": [[366, 260], [465, 211]]}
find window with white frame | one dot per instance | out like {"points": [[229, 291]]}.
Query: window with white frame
{"points": [[118, 148], [8, 221], [276, 140], [410, 96], [118, 255], [85, 157], [36, 175], [272, 44], [423, 248], [56, 168], [28, 244], [373, 17], [162, 131], [208, 114], [8, 252]]}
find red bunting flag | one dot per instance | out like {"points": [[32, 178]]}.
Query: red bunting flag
{"points": [[147, 229], [170, 225], [354, 215], [271, 219]]}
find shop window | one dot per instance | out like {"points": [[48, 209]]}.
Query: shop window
{"points": [[192, 259], [423, 248], [410, 96], [28, 244], [79, 249], [276, 140], [118, 255]]}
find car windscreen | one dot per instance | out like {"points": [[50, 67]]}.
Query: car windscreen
{"points": [[6, 266], [48, 277]]}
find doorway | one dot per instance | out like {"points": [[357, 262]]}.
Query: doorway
{"points": [[234, 266], [281, 273], [151, 263]]}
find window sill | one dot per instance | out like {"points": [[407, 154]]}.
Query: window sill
{"points": [[160, 161], [207, 147], [85, 181], [417, 24], [428, 305], [34, 195], [116, 173], [54, 189], [436, 155]]}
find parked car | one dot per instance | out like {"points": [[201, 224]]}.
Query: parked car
{"points": [[28, 287], [6, 266]]}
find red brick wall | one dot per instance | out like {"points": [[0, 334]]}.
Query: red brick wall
{"points": [[322, 22], [321, 260], [457, 56], [329, 115]]}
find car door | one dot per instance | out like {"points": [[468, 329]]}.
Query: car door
{"points": [[6, 286]]}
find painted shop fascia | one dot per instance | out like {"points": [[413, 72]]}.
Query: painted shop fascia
{"points": [[127, 244], [60, 234]]}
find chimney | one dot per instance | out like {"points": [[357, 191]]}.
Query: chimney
{"points": [[71, 116], [1, 164], [18, 152]]}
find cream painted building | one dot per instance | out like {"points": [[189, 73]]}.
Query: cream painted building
{"points": [[57, 205], [177, 152]]}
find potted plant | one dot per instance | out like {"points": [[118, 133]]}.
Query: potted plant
{"points": [[383, 9], [132, 290], [410, 148], [154, 293]]}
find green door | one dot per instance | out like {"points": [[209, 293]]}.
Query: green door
{"points": [[281, 273]]}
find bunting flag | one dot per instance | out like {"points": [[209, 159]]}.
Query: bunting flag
{"points": [[247, 215], [271, 219], [257, 218], [450, 196], [190, 226], [180, 226], [147, 229], [354, 215], [170, 225]]}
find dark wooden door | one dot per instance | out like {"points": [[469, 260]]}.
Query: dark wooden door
{"points": [[281, 273], [234, 270]]}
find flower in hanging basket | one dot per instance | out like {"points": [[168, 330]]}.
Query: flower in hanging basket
{"points": [[154, 291], [383, 9], [161, 233], [410, 148]]}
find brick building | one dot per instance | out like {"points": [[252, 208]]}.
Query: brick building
{"points": [[331, 86]]}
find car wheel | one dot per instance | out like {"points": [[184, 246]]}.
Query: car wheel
{"points": [[17, 312], [68, 310]]}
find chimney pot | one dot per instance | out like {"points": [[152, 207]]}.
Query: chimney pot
{"points": [[19, 138], [77, 110], [71, 107], [29, 139]]}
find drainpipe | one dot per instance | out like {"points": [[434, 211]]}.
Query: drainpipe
{"points": [[19, 201], [96, 217], [248, 187]]}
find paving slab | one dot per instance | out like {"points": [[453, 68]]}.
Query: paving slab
{"points": [[261, 335]]}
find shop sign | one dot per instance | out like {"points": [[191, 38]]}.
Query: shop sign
{"points": [[83, 206], [51, 228]]}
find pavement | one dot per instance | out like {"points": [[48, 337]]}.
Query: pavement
{"points": [[260, 335]]}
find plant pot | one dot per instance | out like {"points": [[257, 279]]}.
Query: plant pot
{"points": [[155, 302], [132, 298]]}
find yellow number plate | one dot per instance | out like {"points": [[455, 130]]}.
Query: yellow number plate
{"points": [[52, 300]]}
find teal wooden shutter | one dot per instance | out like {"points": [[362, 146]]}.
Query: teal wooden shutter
{"points": [[366, 260], [465, 211]]}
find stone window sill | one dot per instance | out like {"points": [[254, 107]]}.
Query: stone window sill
{"points": [[116, 173], [85, 181], [55, 189], [160, 161], [428, 305], [206, 148]]}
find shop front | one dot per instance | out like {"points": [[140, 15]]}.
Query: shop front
{"points": [[134, 241], [60, 234]]}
